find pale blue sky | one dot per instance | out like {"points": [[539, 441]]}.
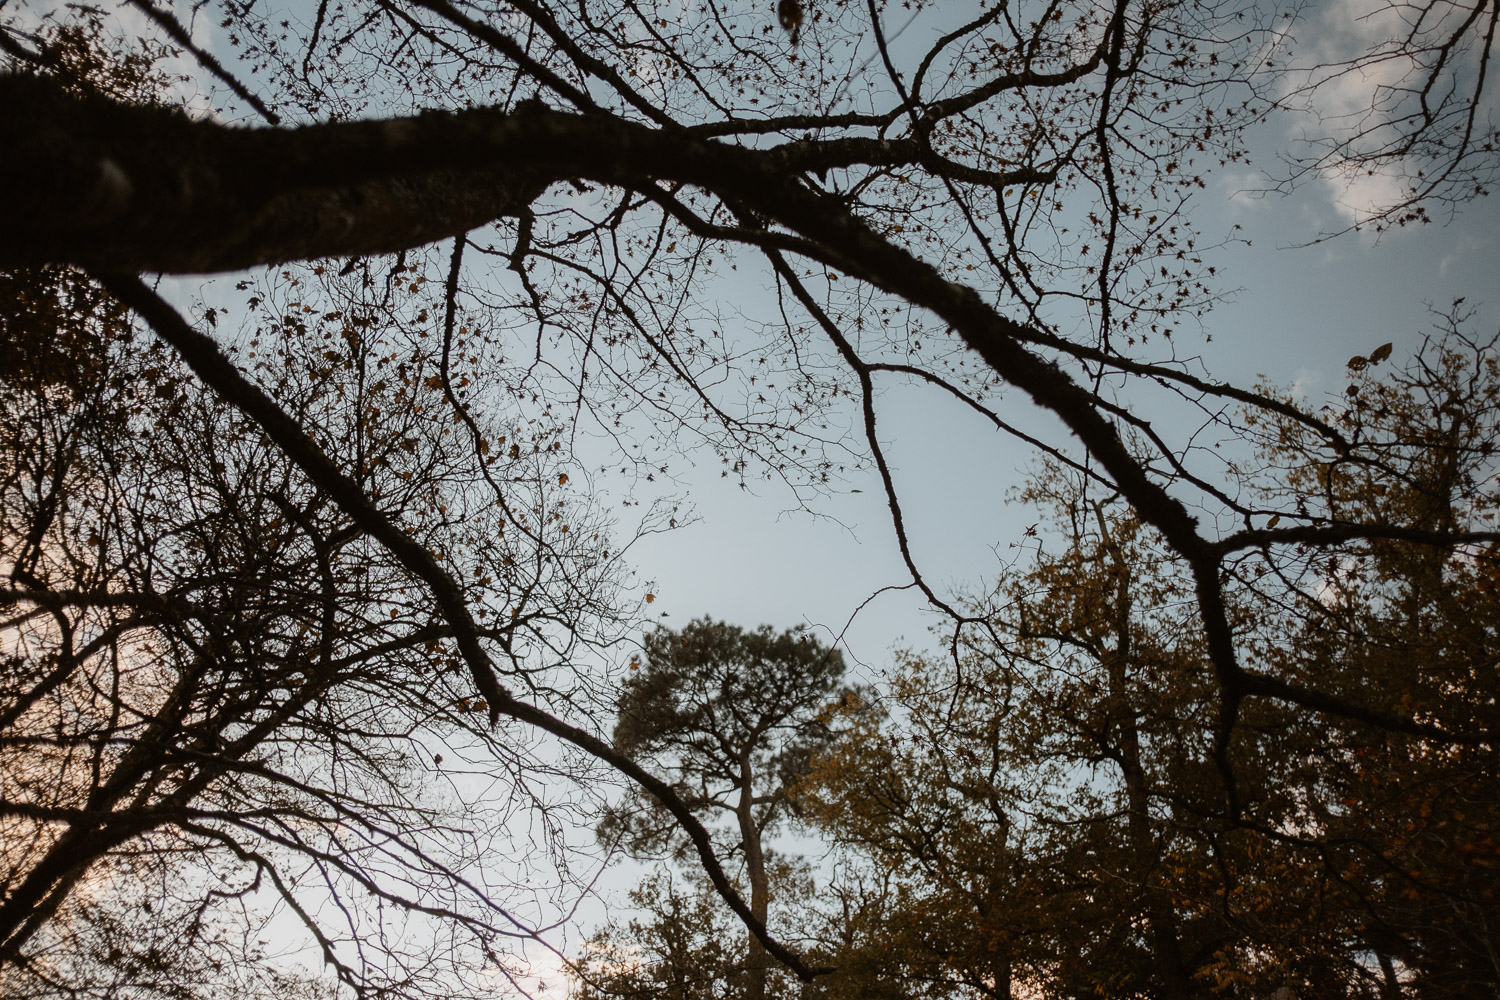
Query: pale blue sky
{"points": [[1300, 313]]}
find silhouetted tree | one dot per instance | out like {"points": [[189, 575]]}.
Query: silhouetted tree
{"points": [[1046, 815], [970, 206], [734, 718]]}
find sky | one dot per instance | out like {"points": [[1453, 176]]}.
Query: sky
{"points": [[1295, 309], [1293, 314]]}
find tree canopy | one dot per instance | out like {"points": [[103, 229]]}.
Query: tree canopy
{"points": [[330, 520], [735, 717], [1052, 801], [1046, 814]]}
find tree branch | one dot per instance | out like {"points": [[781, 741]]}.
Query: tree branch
{"points": [[203, 356]]}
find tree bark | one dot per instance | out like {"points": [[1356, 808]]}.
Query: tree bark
{"points": [[756, 961], [128, 188]]}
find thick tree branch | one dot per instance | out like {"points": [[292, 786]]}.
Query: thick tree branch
{"points": [[125, 188], [129, 188]]}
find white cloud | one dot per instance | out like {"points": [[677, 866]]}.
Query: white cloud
{"points": [[1351, 81], [1246, 192]]}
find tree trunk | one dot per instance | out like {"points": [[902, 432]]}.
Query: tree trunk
{"points": [[1390, 987], [1000, 968], [756, 964], [1161, 917]]}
